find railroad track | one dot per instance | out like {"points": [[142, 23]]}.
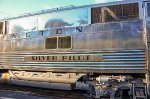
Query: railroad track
{"points": [[19, 92]]}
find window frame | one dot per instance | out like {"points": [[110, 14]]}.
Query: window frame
{"points": [[62, 37], [57, 47], [51, 48]]}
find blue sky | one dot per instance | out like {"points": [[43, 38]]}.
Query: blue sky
{"points": [[10, 8]]}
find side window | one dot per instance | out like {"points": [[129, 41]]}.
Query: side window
{"points": [[51, 43], [148, 9], [64, 42]]}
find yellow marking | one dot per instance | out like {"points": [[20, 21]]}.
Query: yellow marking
{"points": [[5, 78]]}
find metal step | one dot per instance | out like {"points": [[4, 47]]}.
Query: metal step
{"points": [[139, 91]]}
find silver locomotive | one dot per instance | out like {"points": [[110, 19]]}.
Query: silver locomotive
{"points": [[103, 48]]}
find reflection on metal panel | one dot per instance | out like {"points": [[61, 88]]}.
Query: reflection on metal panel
{"points": [[23, 24], [117, 35], [27, 44], [73, 17], [125, 35], [5, 46]]}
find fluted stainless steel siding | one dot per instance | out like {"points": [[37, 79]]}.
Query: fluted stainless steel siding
{"points": [[113, 60]]}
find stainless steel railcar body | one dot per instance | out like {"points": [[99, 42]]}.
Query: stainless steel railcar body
{"points": [[109, 38]]}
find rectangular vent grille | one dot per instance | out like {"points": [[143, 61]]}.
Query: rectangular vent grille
{"points": [[64, 42], [115, 13], [51, 43]]}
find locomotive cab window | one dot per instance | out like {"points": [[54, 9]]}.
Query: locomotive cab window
{"points": [[64, 42], [51, 43]]}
